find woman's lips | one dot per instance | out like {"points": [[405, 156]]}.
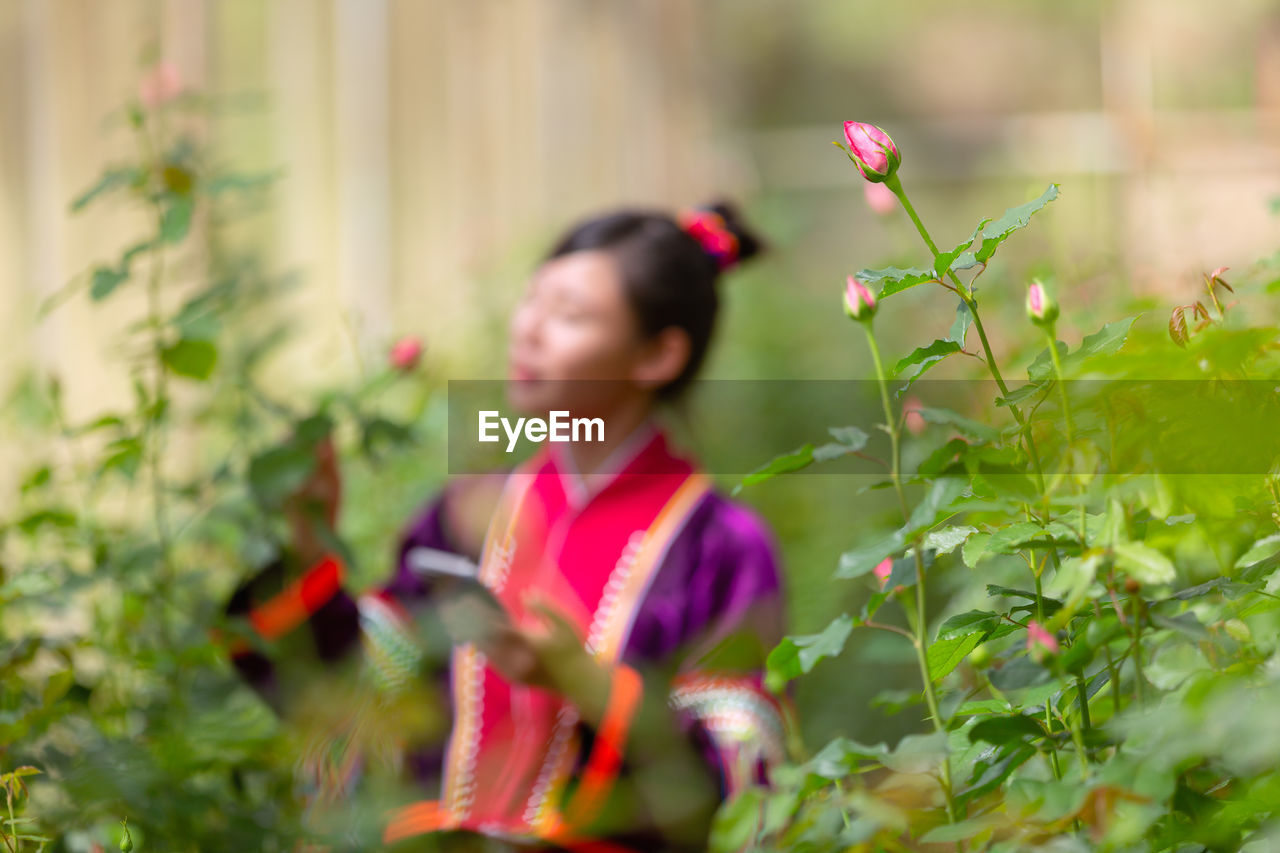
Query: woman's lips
{"points": [[520, 373]]}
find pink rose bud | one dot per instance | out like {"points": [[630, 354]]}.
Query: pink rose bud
{"points": [[871, 150], [162, 84], [880, 198], [884, 570], [1041, 307], [859, 303], [912, 418], [405, 353], [1040, 640]]}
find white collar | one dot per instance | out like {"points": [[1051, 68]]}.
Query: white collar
{"points": [[581, 488]]}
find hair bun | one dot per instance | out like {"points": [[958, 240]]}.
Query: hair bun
{"points": [[749, 243]]}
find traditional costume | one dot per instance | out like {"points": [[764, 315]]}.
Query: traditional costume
{"points": [[652, 567]]}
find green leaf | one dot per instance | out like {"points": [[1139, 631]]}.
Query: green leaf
{"points": [[194, 359], [941, 493], [961, 324], [799, 458], [1005, 728], [379, 433], [125, 456], [969, 622], [848, 440], [965, 426], [840, 757], [105, 280], [947, 539], [893, 280], [946, 654], [1143, 563], [111, 180], [37, 479], [858, 561], [175, 222], [46, 517], [943, 263], [959, 831], [278, 472], [927, 357], [797, 655], [736, 824], [1106, 341], [997, 232], [917, 753]]}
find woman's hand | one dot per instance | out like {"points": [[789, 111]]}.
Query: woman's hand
{"points": [[549, 653]]}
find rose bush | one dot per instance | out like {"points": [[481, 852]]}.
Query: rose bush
{"points": [[1099, 677]]}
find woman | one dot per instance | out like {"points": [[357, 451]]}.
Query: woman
{"points": [[609, 693]]}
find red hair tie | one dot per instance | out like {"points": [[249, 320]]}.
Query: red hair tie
{"points": [[712, 233]]}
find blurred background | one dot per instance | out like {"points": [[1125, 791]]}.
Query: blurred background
{"points": [[428, 151]]}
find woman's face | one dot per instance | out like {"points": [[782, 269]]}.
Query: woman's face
{"points": [[575, 344]]}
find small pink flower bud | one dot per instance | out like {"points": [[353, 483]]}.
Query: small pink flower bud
{"points": [[162, 84], [1039, 640], [912, 419], [871, 150], [1041, 307], [880, 198], [884, 570], [405, 353], [859, 303]]}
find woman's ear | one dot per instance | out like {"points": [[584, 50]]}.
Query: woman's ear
{"points": [[663, 358]]}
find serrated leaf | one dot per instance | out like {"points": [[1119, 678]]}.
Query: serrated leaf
{"points": [[969, 622], [1106, 341], [848, 440], [797, 655], [799, 458], [926, 357], [892, 280], [943, 263], [946, 654], [1000, 230], [947, 539], [858, 561]]}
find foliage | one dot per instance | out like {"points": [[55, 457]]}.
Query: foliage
{"points": [[1100, 676], [131, 530]]}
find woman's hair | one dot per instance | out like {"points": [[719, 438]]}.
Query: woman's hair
{"points": [[668, 277]]}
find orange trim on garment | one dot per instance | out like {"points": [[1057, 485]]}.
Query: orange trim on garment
{"points": [[299, 600], [608, 748], [416, 819]]}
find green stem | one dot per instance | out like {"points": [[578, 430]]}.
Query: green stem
{"points": [[1136, 652], [917, 615], [1066, 414], [966, 294]]}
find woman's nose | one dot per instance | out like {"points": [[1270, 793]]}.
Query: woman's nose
{"points": [[526, 324]]}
